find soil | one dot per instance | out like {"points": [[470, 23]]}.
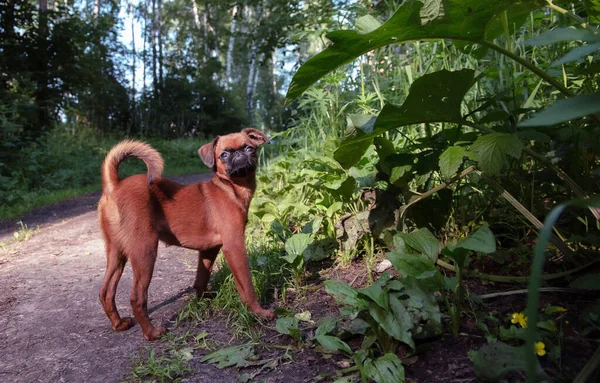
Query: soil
{"points": [[52, 327]]}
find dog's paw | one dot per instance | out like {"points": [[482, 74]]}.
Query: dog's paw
{"points": [[124, 324], [265, 314], [155, 333]]}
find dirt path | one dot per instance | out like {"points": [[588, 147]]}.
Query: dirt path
{"points": [[52, 327]]}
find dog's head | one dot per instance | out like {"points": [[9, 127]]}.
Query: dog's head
{"points": [[234, 155]]}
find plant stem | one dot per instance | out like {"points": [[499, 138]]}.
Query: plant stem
{"points": [[543, 289], [513, 279]]}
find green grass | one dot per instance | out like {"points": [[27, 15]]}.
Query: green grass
{"points": [[63, 166]]}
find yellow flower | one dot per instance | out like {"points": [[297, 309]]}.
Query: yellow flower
{"points": [[540, 348], [519, 318]]}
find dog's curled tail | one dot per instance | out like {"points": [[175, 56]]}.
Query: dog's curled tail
{"points": [[130, 149]]}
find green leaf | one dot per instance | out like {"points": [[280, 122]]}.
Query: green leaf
{"points": [[333, 343], [411, 265], [313, 226], [577, 54], [326, 326], [482, 241], [238, 356], [434, 97], [587, 282], [376, 293], [423, 241], [467, 21], [395, 326], [565, 110], [296, 245], [450, 160], [288, 326], [492, 151], [493, 361], [459, 255], [562, 34], [385, 369]]}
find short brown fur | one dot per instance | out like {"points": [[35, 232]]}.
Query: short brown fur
{"points": [[138, 211]]}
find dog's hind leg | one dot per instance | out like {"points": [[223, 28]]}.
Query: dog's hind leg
{"points": [[206, 259], [115, 263], [142, 265]]}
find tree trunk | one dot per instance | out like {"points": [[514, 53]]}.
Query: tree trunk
{"points": [[42, 95], [160, 47], [196, 15], [154, 58], [133, 67], [96, 8], [252, 72], [229, 60]]}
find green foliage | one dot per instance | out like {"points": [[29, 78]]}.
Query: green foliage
{"points": [[468, 21]]}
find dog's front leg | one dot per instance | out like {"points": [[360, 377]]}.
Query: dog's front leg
{"points": [[206, 259], [236, 257]]}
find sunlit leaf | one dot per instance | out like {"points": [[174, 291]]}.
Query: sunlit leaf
{"points": [[565, 110]]}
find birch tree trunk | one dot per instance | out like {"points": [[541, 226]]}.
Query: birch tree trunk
{"points": [[133, 66], [252, 71], [154, 58], [229, 60], [159, 31]]}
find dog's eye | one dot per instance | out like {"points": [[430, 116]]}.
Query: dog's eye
{"points": [[249, 149], [224, 155]]}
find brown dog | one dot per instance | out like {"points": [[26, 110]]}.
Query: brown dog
{"points": [[138, 211]]}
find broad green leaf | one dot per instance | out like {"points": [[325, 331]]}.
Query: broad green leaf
{"points": [[376, 293], [434, 97], [423, 241], [385, 369], [493, 361], [562, 34], [333, 343], [238, 356], [326, 326], [492, 151], [587, 282], [345, 294], [450, 160], [296, 245], [564, 110], [577, 54], [396, 327], [313, 226], [288, 326], [458, 254], [411, 265], [482, 241], [467, 21]]}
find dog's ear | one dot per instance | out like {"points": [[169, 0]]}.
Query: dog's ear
{"points": [[207, 153], [256, 136]]}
